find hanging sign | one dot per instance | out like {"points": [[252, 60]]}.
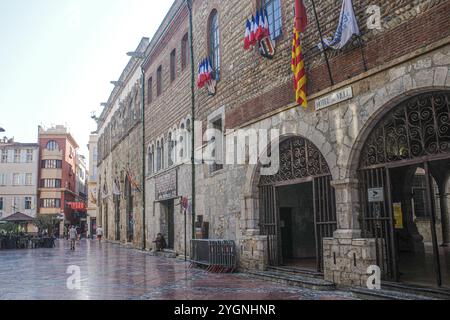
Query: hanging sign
{"points": [[376, 195], [166, 186], [398, 215]]}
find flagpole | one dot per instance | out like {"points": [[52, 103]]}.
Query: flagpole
{"points": [[323, 44]]}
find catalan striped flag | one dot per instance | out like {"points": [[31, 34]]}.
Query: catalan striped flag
{"points": [[298, 64]]}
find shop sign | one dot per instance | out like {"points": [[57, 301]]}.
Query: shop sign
{"points": [[166, 186], [376, 195], [398, 215]]}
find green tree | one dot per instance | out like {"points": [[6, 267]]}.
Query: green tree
{"points": [[46, 222]]}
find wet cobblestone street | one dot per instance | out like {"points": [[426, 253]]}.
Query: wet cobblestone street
{"points": [[110, 272]]}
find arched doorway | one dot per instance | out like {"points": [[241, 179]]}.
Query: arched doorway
{"points": [[297, 206], [403, 173]]}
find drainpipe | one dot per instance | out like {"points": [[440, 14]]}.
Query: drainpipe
{"points": [[191, 44], [144, 246]]}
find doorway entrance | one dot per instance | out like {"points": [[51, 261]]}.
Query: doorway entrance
{"points": [[297, 207], [168, 225], [404, 173], [297, 227]]}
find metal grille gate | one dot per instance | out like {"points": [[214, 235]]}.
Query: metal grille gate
{"points": [[377, 218], [270, 223], [324, 218], [300, 162], [324, 214]]}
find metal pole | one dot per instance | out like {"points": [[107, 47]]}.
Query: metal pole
{"points": [[323, 44], [191, 44], [144, 247], [432, 209]]}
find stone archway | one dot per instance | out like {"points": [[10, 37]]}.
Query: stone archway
{"points": [[412, 134], [301, 163]]}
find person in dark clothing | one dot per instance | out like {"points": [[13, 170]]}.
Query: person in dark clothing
{"points": [[160, 242]]}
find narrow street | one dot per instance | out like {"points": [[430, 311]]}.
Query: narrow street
{"points": [[110, 272]]}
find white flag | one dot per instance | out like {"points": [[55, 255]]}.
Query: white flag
{"points": [[348, 26], [116, 188]]}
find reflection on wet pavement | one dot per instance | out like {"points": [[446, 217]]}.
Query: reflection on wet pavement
{"points": [[110, 272]]}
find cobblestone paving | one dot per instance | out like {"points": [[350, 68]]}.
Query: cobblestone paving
{"points": [[110, 272]]}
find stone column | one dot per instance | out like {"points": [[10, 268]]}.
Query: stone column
{"points": [[347, 208]]}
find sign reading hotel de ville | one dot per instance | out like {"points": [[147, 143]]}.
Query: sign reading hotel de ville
{"points": [[166, 186], [334, 98]]}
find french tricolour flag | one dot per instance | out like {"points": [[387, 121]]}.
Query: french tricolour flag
{"points": [[205, 72], [266, 24], [261, 25], [253, 32], [248, 33]]}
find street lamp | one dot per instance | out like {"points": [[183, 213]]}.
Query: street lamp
{"points": [[117, 83], [2, 130], [104, 104], [137, 55]]}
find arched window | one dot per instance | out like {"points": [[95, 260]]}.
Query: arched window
{"points": [[52, 145], [151, 160], [214, 43], [185, 52], [171, 149], [173, 65], [158, 156], [159, 81], [181, 141], [162, 154], [273, 8]]}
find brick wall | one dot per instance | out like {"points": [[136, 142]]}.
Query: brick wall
{"points": [[250, 85]]}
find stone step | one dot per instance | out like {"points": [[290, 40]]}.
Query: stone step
{"points": [[294, 280], [385, 294], [437, 293], [297, 271]]}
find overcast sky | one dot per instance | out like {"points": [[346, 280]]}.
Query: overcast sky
{"points": [[57, 58]]}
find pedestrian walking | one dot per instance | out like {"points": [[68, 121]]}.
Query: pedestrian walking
{"points": [[72, 237], [99, 233]]}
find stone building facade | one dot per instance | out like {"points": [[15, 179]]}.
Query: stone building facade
{"points": [[335, 205], [57, 175], [18, 178], [92, 185], [119, 159]]}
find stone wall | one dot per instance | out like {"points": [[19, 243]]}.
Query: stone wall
{"points": [[256, 93], [346, 261]]}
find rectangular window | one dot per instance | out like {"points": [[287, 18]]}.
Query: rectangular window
{"points": [[51, 183], [217, 140], [273, 8], [3, 179], [29, 179], [173, 65], [17, 156], [1, 203], [16, 204], [28, 203], [5, 156], [159, 81], [16, 179], [51, 164], [29, 155], [150, 90], [50, 203]]}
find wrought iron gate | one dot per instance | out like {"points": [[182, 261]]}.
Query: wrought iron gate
{"points": [[324, 214], [270, 223], [300, 162], [376, 218]]}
